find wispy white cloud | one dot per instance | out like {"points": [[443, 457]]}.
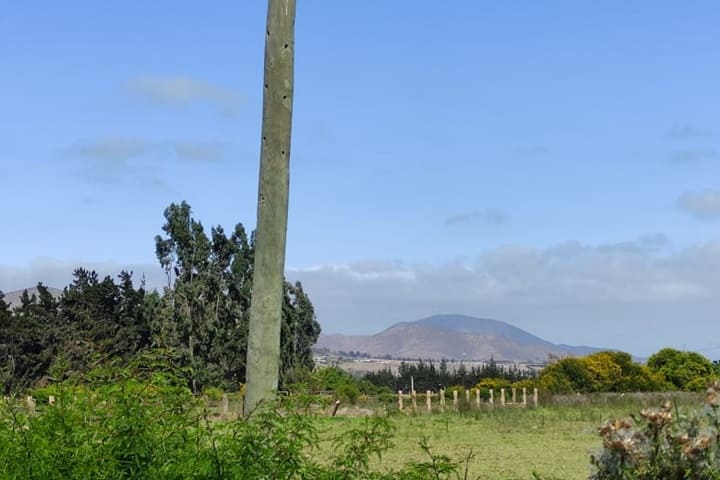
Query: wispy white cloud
{"points": [[702, 205], [637, 295], [532, 151], [695, 155], [686, 132], [110, 149], [121, 149], [182, 91], [489, 216], [606, 295], [112, 159]]}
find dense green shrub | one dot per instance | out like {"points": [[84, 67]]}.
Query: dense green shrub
{"points": [[688, 371], [154, 428], [339, 383], [213, 393], [600, 372], [495, 384]]}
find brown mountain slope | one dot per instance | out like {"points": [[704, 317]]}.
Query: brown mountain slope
{"points": [[452, 337], [13, 298]]}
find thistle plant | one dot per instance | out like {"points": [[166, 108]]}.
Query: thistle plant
{"points": [[662, 443]]}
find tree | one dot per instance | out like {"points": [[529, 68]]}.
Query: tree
{"points": [[299, 332], [99, 320], [204, 313], [599, 372], [263, 360], [684, 370], [26, 338], [7, 346], [565, 376]]}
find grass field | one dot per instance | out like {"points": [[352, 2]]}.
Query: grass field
{"points": [[553, 441], [513, 443]]}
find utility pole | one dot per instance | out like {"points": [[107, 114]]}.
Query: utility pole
{"points": [[263, 357]]}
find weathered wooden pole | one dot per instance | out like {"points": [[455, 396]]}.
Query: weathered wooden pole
{"points": [[30, 404], [428, 395], [224, 405], [400, 400], [455, 400], [263, 356]]}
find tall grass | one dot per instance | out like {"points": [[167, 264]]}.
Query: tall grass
{"points": [[155, 429], [124, 427]]}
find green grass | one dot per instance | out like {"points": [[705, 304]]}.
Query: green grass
{"points": [[166, 434], [511, 443]]}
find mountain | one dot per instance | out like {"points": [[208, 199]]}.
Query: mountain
{"points": [[13, 298], [453, 337]]}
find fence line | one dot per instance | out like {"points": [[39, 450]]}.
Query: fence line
{"points": [[433, 401], [509, 400]]}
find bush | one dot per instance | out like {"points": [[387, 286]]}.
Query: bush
{"points": [[140, 430], [662, 444], [456, 388], [343, 386], [495, 384], [600, 372], [527, 383], [688, 371], [387, 398], [214, 394], [126, 429]]}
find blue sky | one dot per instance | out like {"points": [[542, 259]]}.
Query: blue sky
{"points": [[551, 164]]}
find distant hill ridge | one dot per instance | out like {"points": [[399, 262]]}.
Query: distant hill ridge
{"points": [[13, 298], [454, 336], [473, 325]]}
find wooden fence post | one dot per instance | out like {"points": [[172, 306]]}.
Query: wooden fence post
{"points": [[492, 397], [30, 402], [477, 397], [535, 396], [414, 401], [428, 395], [524, 396], [224, 405], [514, 399], [400, 400], [502, 397], [455, 399], [442, 399]]}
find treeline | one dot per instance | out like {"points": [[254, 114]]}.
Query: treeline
{"points": [[200, 319], [426, 376], [668, 369], [607, 371]]}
